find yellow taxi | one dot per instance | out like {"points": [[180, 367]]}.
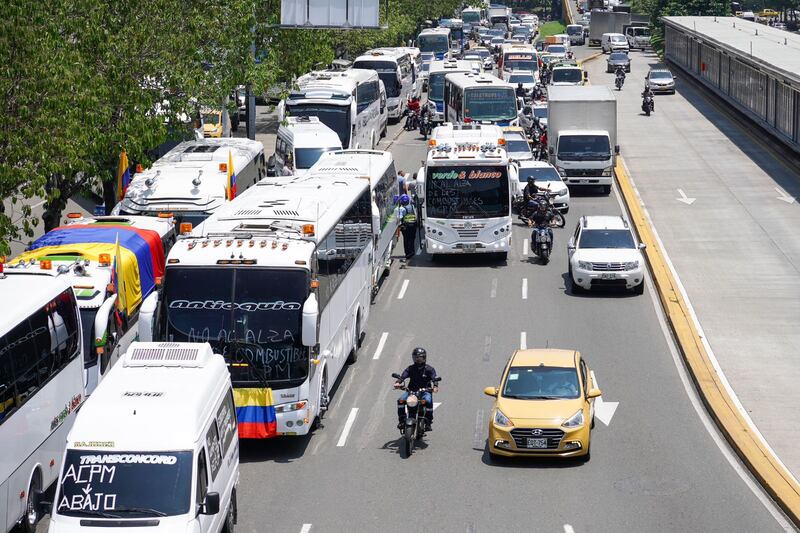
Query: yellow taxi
{"points": [[768, 13], [212, 123], [544, 406]]}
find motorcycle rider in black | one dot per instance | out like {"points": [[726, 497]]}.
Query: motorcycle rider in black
{"points": [[541, 218], [420, 376]]}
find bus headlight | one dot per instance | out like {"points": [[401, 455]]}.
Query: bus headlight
{"points": [[290, 407]]}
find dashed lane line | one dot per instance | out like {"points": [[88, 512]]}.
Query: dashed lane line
{"points": [[523, 341], [306, 528], [493, 294], [351, 418], [381, 344], [403, 289], [524, 288]]}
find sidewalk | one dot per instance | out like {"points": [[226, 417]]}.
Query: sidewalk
{"points": [[733, 242]]}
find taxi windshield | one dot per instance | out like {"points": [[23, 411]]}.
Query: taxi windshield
{"points": [[541, 383]]}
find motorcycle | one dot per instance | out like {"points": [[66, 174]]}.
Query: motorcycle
{"points": [[412, 120], [425, 125], [619, 82], [525, 210], [416, 409], [648, 104], [542, 243]]}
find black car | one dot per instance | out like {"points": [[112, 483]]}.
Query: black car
{"points": [[618, 59]]}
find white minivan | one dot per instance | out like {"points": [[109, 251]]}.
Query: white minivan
{"points": [[156, 446], [298, 145], [614, 42]]}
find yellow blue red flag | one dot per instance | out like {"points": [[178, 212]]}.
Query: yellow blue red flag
{"points": [[230, 188], [123, 174], [255, 413]]}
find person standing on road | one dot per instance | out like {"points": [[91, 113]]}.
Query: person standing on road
{"points": [[408, 225], [401, 178]]}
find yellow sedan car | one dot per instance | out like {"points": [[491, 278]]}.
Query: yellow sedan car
{"points": [[212, 123], [544, 406]]}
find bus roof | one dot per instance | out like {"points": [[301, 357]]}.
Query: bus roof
{"points": [[25, 291], [242, 150], [465, 80], [449, 133], [451, 65], [371, 164], [435, 31], [386, 54], [309, 132], [157, 399]]}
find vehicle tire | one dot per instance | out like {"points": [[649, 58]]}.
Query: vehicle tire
{"points": [[230, 517], [33, 512], [323, 402], [405, 447], [639, 289], [353, 357], [545, 258], [592, 426], [606, 190], [576, 289], [558, 220]]}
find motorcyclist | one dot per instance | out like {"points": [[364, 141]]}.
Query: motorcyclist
{"points": [[420, 375], [541, 218], [520, 90], [529, 197], [620, 72], [647, 97]]}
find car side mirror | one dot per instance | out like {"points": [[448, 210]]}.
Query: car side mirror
{"points": [[490, 391], [616, 149], [642, 246], [594, 393], [210, 504], [585, 76]]}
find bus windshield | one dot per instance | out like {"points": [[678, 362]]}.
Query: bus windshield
{"points": [[521, 64], [228, 306], [387, 72], [467, 192], [490, 103], [336, 117], [433, 43], [471, 16], [131, 484]]}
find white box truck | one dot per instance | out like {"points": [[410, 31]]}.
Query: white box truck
{"points": [[606, 22], [582, 134]]}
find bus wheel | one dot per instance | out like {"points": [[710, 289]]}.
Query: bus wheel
{"points": [[353, 357], [323, 402], [32, 507]]}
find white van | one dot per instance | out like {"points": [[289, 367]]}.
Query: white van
{"points": [[156, 446], [300, 142], [614, 42]]}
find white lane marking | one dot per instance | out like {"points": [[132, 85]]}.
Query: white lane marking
{"points": [[784, 197], [524, 246], [603, 410], [685, 199], [568, 529], [524, 288], [306, 528], [523, 341], [347, 426], [494, 288], [403, 290], [381, 344], [688, 384]]}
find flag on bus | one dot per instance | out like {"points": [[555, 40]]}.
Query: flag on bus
{"points": [[116, 276], [255, 413], [230, 188], [123, 174]]}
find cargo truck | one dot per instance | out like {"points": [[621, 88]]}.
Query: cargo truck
{"points": [[638, 35], [606, 22], [582, 134], [499, 14]]}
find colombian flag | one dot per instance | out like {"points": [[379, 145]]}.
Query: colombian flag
{"points": [[123, 174], [255, 413], [116, 276], [230, 187]]}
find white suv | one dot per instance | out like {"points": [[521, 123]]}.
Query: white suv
{"points": [[603, 252]]}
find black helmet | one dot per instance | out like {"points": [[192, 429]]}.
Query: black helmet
{"points": [[419, 355], [531, 181]]}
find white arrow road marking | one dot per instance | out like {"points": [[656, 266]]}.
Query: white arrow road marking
{"points": [[784, 197], [347, 426], [603, 410], [403, 290], [436, 404], [381, 344], [568, 529], [684, 198], [306, 528]]}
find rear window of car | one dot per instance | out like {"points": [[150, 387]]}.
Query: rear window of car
{"points": [[618, 56]]}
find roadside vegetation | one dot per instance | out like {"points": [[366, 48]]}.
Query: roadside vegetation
{"points": [[551, 28]]}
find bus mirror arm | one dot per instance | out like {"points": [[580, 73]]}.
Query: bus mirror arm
{"points": [[310, 321], [146, 315]]}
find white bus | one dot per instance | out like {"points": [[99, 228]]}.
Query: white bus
{"points": [[466, 191], [41, 387], [417, 62], [516, 56], [480, 98], [436, 97], [436, 41], [350, 102], [397, 72], [189, 182], [279, 283], [473, 15], [379, 168]]}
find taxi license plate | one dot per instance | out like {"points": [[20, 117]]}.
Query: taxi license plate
{"points": [[468, 248], [608, 276], [537, 443]]}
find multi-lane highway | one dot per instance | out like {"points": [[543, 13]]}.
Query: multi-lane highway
{"points": [[659, 465]]}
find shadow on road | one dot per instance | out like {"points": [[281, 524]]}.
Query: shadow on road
{"points": [[529, 462]]}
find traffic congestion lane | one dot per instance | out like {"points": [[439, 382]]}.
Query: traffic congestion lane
{"points": [[655, 468], [717, 198]]}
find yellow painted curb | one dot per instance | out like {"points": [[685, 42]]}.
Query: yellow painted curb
{"points": [[761, 461]]}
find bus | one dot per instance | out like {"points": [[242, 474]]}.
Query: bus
{"points": [[379, 168], [457, 41], [473, 15], [436, 97], [279, 283], [419, 63], [517, 56], [480, 98], [466, 191], [351, 102], [397, 72], [189, 182], [41, 387], [436, 41]]}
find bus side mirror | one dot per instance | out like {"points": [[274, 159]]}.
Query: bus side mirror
{"points": [[310, 319], [211, 504], [146, 317]]}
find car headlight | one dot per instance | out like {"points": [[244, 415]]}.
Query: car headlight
{"points": [[607, 172], [500, 419], [630, 265], [574, 421], [585, 265], [563, 192], [561, 171], [289, 407]]}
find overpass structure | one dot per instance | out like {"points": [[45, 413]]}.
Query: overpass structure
{"points": [[753, 67]]}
